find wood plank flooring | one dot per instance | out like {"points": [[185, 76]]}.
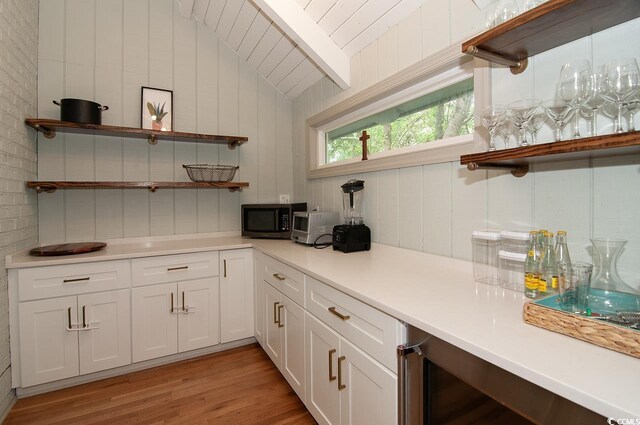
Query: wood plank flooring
{"points": [[235, 387]]}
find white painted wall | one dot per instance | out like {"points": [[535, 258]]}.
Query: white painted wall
{"points": [[105, 50], [435, 208], [18, 208]]}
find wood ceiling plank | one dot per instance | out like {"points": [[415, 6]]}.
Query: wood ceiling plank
{"points": [[186, 8], [229, 17], [304, 69], [245, 19], [358, 22], [318, 8], [253, 36], [288, 64], [303, 3], [339, 14], [214, 12], [200, 9], [265, 45], [303, 85], [313, 41], [400, 11], [276, 56]]}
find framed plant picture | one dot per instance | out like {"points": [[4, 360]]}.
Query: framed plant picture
{"points": [[156, 112]]}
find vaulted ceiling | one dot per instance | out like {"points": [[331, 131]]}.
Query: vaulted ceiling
{"points": [[295, 43]]}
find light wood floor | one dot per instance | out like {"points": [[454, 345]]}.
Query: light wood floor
{"points": [[235, 387]]}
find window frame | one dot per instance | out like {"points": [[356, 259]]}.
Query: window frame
{"points": [[437, 71]]}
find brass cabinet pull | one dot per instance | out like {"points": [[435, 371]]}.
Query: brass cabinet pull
{"points": [[331, 376], [225, 267], [172, 269], [81, 279], [341, 386], [275, 311], [69, 328], [84, 316], [277, 276], [173, 310], [341, 316], [280, 307]]}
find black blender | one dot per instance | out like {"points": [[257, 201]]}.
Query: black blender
{"points": [[353, 235]]}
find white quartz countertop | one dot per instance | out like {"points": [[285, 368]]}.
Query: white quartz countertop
{"points": [[438, 295]]}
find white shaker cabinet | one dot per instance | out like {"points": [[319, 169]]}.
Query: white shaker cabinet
{"points": [[258, 294], [236, 295], [174, 317], [344, 385], [69, 336]]}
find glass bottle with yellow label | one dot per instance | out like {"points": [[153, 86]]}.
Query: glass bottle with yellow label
{"points": [[548, 282], [531, 267]]}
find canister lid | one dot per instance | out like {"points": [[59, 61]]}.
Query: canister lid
{"points": [[515, 256], [489, 235], [520, 236]]}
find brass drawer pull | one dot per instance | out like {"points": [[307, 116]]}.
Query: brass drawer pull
{"points": [[331, 376], [172, 269], [341, 386], [277, 276], [341, 316], [275, 312], [280, 307], [81, 279]]}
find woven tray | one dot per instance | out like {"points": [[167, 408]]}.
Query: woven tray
{"points": [[603, 334]]}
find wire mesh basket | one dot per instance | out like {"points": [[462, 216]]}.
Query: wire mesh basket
{"points": [[210, 173]]}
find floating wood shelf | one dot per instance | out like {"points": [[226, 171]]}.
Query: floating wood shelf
{"points": [[50, 127], [518, 160], [52, 186], [549, 25]]}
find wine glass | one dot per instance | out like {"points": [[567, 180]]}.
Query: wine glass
{"points": [[572, 88], [632, 103], [532, 4], [595, 83], [536, 123], [610, 110], [560, 113], [522, 111], [623, 78], [491, 117], [505, 10]]}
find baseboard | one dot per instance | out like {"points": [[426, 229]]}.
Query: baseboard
{"points": [[134, 367]]}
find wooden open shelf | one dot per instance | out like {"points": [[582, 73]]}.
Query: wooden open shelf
{"points": [[518, 159], [50, 127], [52, 186], [549, 25]]}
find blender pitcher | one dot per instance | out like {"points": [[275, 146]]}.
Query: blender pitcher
{"points": [[352, 201]]}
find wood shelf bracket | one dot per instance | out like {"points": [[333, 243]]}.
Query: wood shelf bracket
{"points": [[519, 170], [516, 66]]}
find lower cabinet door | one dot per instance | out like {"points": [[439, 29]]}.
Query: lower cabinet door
{"points": [[236, 294], [368, 394], [107, 341], [199, 318], [322, 395], [292, 319], [272, 334], [48, 349], [260, 313], [155, 321]]}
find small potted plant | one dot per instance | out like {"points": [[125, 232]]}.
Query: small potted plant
{"points": [[157, 114]]}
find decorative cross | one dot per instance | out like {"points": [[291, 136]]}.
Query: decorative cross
{"points": [[364, 139]]}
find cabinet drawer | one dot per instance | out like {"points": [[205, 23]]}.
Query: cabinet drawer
{"points": [[285, 279], [73, 279], [174, 268], [375, 332]]}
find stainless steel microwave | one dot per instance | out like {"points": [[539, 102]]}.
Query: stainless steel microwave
{"points": [[271, 221]]}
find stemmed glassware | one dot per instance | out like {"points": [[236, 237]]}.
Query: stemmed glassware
{"points": [[506, 129], [522, 111], [610, 110], [560, 113], [596, 84], [491, 117], [632, 103], [572, 88], [505, 10], [623, 80], [536, 123]]}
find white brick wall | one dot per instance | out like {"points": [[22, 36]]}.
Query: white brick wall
{"points": [[18, 161]]}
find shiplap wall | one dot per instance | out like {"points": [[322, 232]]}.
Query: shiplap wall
{"points": [[105, 50], [434, 208], [18, 100]]}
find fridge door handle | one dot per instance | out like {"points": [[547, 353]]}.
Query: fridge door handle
{"points": [[403, 402]]}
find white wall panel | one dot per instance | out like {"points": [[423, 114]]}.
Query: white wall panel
{"points": [[388, 53], [389, 207], [436, 34], [409, 45], [126, 45], [267, 141], [410, 193], [437, 209]]}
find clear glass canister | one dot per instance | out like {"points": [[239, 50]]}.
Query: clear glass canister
{"points": [[515, 241], [486, 244], [511, 266]]}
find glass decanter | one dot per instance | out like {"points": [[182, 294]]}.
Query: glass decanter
{"points": [[608, 288]]}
